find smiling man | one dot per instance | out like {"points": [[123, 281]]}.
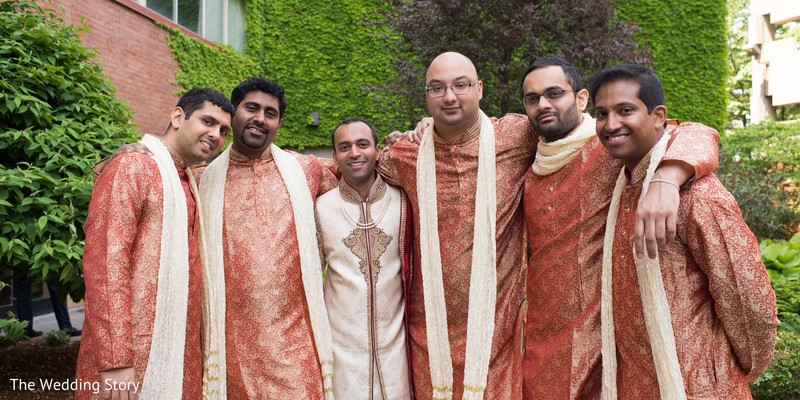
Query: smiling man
{"points": [[710, 329], [363, 226], [142, 264], [267, 321], [566, 199]]}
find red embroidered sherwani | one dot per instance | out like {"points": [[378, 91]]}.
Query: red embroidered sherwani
{"points": [[721, 303], [120, 266], [565, 216], [269, 343], [456, 179]]}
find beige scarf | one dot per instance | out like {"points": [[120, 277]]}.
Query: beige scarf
{"points": [[483, 279], [164, 374], [654, 302], [212, 193], [552, 156]]}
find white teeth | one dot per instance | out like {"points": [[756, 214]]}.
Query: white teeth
{"points": [[617, 138]]}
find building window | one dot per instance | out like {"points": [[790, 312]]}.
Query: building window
{"points": [[220, 21]]}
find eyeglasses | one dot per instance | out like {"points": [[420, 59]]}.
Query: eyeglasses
{"points": [[458, 88], [532, 100]]}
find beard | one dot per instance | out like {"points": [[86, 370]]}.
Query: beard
{"points": [[560, 127]]}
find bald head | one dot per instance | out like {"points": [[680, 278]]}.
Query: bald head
{"points": [[452, 60], [453, 113]]}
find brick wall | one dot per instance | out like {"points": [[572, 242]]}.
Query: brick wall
{"points": [[133, 53]]}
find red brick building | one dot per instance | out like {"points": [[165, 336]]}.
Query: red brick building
{"points": [[133, 52]]}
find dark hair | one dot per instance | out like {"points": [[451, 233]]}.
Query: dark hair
{"points": [[573, 77], [353, 120], [651, 93], [195, 98], [263, 85]]}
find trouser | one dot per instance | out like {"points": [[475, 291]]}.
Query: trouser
{"points": [[22, 294]]}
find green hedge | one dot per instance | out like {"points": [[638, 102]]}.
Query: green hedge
{"points": [[326, 55], [58, 116], [688, 42], [760, 166]]}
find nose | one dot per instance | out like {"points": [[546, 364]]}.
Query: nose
{"points": [[544, 104], [449, 94], [613, 122], [215, 133], [260, 117], [355, 152]]}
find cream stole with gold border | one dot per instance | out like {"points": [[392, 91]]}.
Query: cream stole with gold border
{"points": [[654, 302], [483, 278], [212, 188]]}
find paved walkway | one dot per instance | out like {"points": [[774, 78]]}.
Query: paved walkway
{"points": [[47, 322]]}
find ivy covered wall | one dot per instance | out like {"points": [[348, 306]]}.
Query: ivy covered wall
{"points": [[688, 43], [203, 65], [327, 55]]}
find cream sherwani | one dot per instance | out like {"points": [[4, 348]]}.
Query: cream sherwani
{"points": [[362, 242]]}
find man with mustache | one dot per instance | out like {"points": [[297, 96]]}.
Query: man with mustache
{"points": [[141, 261], [266, 322]]}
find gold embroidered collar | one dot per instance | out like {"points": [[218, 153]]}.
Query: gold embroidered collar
{"points": [[350, 195]]}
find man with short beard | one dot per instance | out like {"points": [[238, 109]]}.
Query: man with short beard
{"points": [[566, 200], [267, 320]]}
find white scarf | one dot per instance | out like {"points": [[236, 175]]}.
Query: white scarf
{"points": [[483, 279], [212, 193], [163, 378], [654, 302], [552, 156]]}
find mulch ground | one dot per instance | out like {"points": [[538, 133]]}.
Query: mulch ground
{"points": [[34, 362]]}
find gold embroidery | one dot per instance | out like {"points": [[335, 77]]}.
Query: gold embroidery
{"points": [[350, 195], [356, 241]]}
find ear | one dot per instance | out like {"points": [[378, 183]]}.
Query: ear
{"points": [[582, 97], [660, 114], [176, 117], [480, 90]]}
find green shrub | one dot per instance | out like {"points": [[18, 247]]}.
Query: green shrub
{"points": [[58, 116], [787, 293], [782, 258], [760, 166], [12, 330], [57, 338], [781, 381]]}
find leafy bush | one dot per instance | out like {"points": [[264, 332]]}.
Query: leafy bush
{"points": [[12, 330], [58, 115], [57, 338], [781, 381], [782, 258], [760, 166], [788, 298]]}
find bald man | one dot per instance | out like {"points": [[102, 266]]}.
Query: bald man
{"points": [[466, 304]]}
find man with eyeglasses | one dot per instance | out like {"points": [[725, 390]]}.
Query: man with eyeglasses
{"points": [[466, 307], [566, 200]]}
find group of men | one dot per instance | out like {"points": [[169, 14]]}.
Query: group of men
{"points": [[207, 282]]}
